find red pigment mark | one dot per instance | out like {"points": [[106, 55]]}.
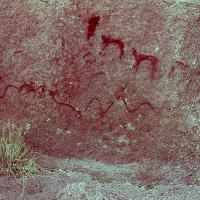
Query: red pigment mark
{"points": [[107, 41], [40, 91], [16, 52], [59, 39], [89, 58], [26, 88], [92, 24], [180, 66], [141, 57], [136, 108], [86, 54], [171, 72], [8, 86], [54, 93], [103, 112]]}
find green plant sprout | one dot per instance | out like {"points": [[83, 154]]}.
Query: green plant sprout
{"points": [[17, 160]]}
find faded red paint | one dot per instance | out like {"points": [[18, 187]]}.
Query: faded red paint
{"points": [[54, 62]]}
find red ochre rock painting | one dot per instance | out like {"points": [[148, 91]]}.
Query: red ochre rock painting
{"points": [[100, 80]]}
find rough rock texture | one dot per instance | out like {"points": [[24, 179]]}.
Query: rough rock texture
{"points": [[91, 180], [113, 81]]}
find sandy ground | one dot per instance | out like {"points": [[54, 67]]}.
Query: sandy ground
{"points": [[33, 47], [75, 179]]}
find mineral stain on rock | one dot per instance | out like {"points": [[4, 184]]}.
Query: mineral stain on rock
{"points": [[93, 22]]}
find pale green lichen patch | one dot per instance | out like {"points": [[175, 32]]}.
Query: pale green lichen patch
{"points": [[130, 126], [123, 139]]}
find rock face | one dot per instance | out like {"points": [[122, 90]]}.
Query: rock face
{"points": [[109, 80]]}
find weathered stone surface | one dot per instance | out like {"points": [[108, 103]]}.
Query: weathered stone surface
{"points": [[118, 90]]}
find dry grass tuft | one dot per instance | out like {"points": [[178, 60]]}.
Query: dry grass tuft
{"points": [[17, 160]]}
